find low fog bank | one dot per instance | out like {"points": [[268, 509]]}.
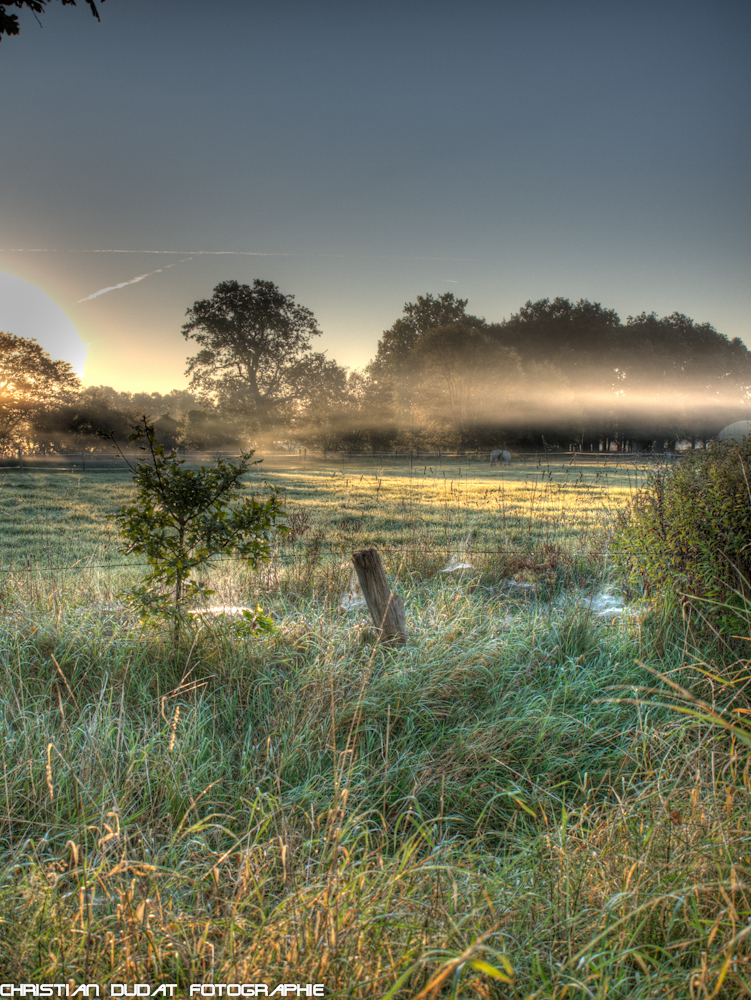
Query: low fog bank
{"points": [[520, 417], [555, 374]]}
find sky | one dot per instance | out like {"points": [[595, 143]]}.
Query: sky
{"points": [[361, 154]]}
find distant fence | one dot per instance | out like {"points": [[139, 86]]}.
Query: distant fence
{"points": [[95, 462], [79, 461], [483, 457]]}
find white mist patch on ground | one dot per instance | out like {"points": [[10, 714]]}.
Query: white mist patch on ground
{"points": [[353, 597], [459, 559], [457, 563], [27, 311], [610, 606]]}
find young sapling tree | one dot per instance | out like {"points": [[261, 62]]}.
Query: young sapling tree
{"points": [[182, 518]]}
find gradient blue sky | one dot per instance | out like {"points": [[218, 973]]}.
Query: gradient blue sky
{"points": [[361, 154]]}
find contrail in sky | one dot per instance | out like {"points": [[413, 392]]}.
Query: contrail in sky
{"points": [[219, 253], [132, 281], [239, 253]]}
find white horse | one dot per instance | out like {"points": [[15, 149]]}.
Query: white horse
{"points": [[500, 455]]}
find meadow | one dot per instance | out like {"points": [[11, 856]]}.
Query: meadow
{"points": [[515, 804]]}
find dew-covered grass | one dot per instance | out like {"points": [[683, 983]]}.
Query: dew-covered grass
{"points": [[507, 806]]}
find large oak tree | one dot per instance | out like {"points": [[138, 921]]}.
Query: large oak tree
{"points": [[255, 353]]}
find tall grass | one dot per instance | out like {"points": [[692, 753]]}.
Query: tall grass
{"points": [[507, 807]]}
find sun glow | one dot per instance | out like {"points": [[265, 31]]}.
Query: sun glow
{"points": [[27, 311]]}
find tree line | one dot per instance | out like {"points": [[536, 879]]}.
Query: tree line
{"points": [[554, 374]]}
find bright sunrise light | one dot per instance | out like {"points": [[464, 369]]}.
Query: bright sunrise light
{"points": [[27, 311]]}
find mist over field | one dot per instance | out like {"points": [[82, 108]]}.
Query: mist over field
{"points": [[556, 374]]}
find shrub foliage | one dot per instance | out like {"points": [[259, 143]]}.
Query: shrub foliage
{"points": [[686, 537]]}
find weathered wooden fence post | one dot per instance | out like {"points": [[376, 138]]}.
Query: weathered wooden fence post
{"points": [[386, 608]]}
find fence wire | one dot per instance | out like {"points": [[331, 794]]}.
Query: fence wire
{"points": [[449, 550]]}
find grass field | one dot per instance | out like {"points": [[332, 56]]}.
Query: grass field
{"points": [[508, 806]]}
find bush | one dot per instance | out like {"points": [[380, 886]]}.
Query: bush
{"points": [[181, 519], [686, 537]]}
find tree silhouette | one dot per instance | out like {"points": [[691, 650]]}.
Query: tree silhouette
{"points": [[9, 22], [255, 350]]}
